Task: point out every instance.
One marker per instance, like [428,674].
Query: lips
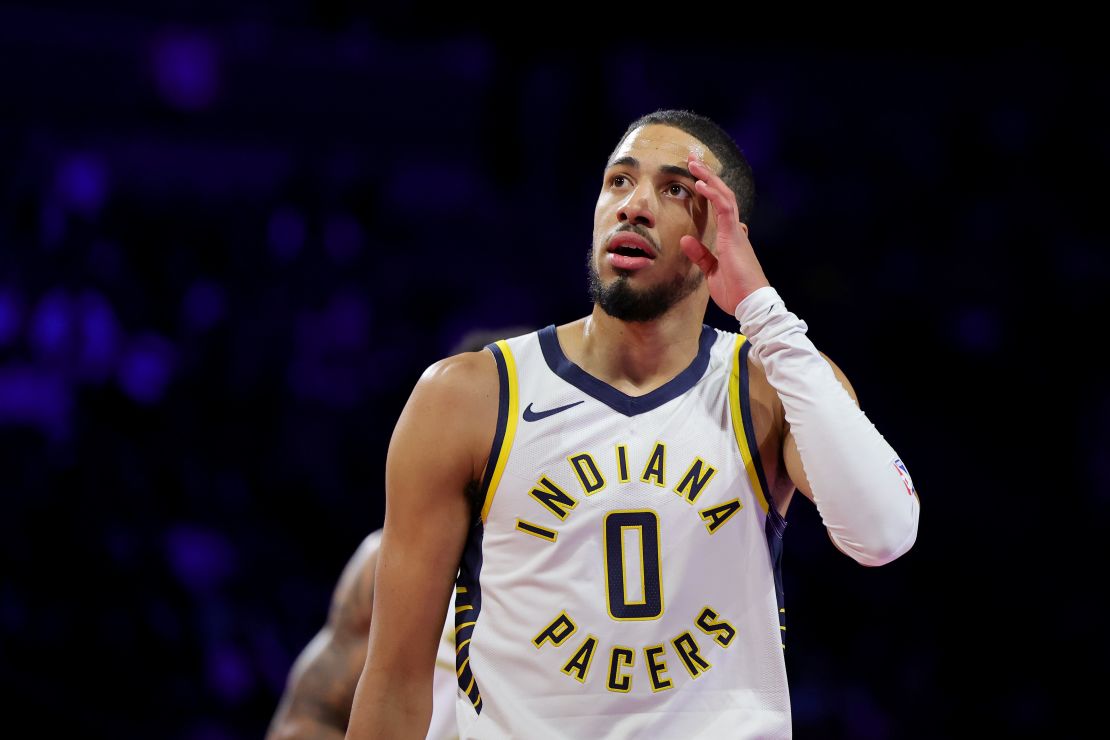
[632,244]
[630,251]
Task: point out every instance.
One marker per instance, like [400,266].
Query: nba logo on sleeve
[904,475]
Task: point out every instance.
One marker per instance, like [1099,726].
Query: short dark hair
[735,169]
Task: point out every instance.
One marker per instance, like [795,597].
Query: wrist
[757,305]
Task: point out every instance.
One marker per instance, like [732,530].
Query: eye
[618,181]
[677,190]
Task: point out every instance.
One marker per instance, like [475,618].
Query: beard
[622,301]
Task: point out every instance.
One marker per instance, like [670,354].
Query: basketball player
[611,493]
[316,703]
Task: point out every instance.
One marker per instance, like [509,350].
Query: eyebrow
[634,163]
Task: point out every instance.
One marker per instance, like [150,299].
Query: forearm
[867,505]
[393,697]
[388,713]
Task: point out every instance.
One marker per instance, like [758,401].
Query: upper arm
[438,448]
[791,459]
[321,684]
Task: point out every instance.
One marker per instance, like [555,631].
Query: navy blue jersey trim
[610,396]
[773,530]
[775,525]
[502,421]
[468,592]
[753,442]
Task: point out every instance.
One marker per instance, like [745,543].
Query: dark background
[232,238]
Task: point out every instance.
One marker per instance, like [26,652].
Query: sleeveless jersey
[623,578]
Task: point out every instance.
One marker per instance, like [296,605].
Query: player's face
[646,205]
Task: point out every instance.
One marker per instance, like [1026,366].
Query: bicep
[792,461]
[321,684]
[432,457]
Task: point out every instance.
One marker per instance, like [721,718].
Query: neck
[637,357]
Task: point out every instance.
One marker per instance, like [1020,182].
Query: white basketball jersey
[623,578]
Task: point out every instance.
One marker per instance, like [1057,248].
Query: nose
[637,209]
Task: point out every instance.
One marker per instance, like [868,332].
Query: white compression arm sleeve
[861,488]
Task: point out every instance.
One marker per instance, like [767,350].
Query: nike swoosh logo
[530,415]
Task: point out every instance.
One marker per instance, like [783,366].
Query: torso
[620,534]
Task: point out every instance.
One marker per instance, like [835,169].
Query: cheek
[605,204]
[606,215]
[602,218]
[700,215]
[692,221]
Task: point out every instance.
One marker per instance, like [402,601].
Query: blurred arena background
[232,235]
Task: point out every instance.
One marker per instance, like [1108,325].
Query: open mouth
[630,251]
[630,244]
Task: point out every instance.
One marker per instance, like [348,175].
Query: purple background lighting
[232,239]
[186,69]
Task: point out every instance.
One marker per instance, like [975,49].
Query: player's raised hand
[732,269]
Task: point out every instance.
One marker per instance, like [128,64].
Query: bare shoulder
[317,698]
[365,555]
[453,411]
[352,602]
[463,382]
[461,371]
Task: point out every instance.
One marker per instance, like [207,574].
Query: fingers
[699,254]
[713,188]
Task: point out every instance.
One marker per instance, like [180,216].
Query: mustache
[639,231]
